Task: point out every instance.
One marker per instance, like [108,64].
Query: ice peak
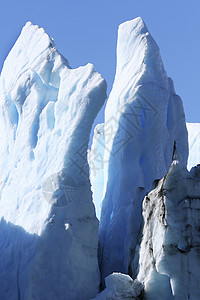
[33,48]
[135,48]
[28,23]
[133,24]
[30,28]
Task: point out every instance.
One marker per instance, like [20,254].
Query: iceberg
[194,144]
[170,242]
[144,123]
[48,227]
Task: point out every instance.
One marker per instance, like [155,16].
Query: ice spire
[49,228]
[143,118]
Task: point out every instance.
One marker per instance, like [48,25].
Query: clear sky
[86,31]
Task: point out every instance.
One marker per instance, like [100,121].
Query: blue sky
[86,31]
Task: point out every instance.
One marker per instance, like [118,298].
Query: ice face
[48,223]
[169,251]
[144,122]
[194,144]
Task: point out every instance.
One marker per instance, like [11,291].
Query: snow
[194,144]
[48,224]
[169,251]
[143,119]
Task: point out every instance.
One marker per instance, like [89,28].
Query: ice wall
[48,228]
[169,262]
[144,122]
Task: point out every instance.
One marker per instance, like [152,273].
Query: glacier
[48,227]
[135,173]
[194,144]
[170,242]
[144,123]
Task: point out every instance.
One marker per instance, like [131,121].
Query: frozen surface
[48,228]
[120,286]
[194,144]
[169,253]
[144,121]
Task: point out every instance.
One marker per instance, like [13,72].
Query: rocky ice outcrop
[48,228]
[170,249]
[194,144]
[120,286]
[144,119]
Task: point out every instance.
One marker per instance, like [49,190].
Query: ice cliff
[170,249]
[48,227]
[144,123]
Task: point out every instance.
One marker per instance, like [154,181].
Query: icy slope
[48,230]
[194,144]
[143,119]
[169,262]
